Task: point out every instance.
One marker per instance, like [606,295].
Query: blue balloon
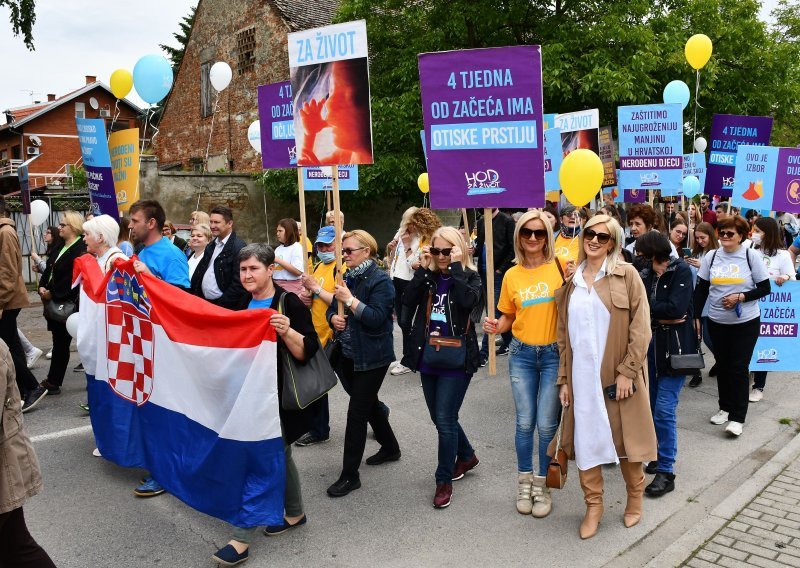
[152,78]
[691,186]
[677,92]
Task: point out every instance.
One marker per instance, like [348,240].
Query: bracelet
[319,291]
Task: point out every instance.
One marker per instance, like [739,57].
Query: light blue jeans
[534,372]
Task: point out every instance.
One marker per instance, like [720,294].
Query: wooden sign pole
[328,200]
[303,238]
[466,223]
[337,224]
[490,313]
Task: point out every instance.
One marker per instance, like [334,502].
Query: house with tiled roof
[249,35]
[46,131]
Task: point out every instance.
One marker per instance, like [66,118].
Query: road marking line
[62,433]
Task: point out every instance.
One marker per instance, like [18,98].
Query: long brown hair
[290,234]
[771,242]
[713,243]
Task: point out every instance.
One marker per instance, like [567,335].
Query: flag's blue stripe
[239,482]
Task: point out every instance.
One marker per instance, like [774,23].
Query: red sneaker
[463,467]
[442,497]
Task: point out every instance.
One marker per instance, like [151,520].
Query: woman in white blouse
[603,336]
[198,241]
[289,261]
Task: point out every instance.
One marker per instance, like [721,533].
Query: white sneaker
[719,418]
[734,428]
[33,356]
[49,355]
[399,370]
[756,395]
[96,453]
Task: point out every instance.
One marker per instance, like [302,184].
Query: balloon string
[113,120]
[211,132]
[696,104]
[266,218]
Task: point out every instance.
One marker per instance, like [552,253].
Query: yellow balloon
[581,176]
[698,50]
[422,182]
[121,83]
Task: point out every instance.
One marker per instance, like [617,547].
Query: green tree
[175,55]
[22,17]
[595,55]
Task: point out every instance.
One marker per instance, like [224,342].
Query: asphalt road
[88,516]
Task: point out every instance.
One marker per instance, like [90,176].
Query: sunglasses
[349,251]
[602,238]
[441,252]
[526,233]
[728,234]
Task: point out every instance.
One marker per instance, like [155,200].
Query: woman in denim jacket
[365,337]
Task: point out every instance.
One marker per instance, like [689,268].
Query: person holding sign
[767,241]
[445,295]
[732,279]
[603,336]
[529,312]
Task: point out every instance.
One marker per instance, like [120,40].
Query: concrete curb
[676,553]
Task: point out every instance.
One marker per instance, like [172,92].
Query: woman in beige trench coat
[609,306]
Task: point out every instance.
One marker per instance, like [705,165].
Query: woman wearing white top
[767,239]
[603,336]
[289,261]
[201,236]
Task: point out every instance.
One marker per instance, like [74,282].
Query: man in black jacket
[503,247]
[221,284]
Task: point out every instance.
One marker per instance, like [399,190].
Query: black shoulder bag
[444,351]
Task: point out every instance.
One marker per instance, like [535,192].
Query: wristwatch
[349,302]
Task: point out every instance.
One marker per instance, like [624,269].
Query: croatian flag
[184,389]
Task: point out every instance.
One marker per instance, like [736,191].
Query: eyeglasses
[526,233]
[727,234]
[441,252]
[602,238]
[680,233]
[349,251]
[62,225]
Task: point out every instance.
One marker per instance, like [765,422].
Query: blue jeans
[534,372]
[320,424]
[664,391]
[444,396]
[498,284]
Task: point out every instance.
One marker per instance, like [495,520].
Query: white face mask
[756,239]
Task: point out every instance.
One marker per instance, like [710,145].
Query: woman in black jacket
[443,293]
[56,287]
[668,283]
[297,335]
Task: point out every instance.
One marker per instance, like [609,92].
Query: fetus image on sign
[331,110]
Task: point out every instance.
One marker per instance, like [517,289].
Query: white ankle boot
[541,498]
[524,503]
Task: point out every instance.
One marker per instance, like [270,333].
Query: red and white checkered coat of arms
[129,338]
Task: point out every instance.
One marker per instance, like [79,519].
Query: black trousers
[17,547]
[364,407]
[8,333]
[60,360]
[733,348]
[400,286]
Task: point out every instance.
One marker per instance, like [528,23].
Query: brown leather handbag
[557,470]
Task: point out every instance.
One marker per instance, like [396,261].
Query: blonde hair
[365,239]
[405,219]
[74,220]
[329,217]
[455,238]
[202,218]
[549,246]
[617,235]
[204,229]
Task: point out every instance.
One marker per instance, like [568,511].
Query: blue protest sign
[694,165]
[97,163]
[552,159]
[651,147]
[776,348]
[321,179]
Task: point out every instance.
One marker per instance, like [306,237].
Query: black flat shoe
[696,381]
[652,467]
[662,483]
[343,487]
[712,372]
[383,457]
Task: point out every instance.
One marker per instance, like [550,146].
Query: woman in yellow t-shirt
[528,306]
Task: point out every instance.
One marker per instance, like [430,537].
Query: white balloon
[700,144]
[254,135]
[72,325]
[220,75]
[40,211]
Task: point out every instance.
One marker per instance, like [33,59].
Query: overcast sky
[75,38]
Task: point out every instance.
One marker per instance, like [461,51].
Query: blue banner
[97,163]
[552,159]
[651,147]
[776,348]
[320,179]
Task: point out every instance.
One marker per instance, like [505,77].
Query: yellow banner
[123,146]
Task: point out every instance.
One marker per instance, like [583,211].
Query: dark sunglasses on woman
[602,238]
[441,252]
[539,234]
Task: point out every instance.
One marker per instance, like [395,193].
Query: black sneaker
[662,483]
[713,371]
[696,381]
[33,398]
[78,368]
[652,467]
[484,360]
[309,439]
[383,456]
[501,351]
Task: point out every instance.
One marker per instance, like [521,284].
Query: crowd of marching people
[602,316]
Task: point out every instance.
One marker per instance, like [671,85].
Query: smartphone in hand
[611,391]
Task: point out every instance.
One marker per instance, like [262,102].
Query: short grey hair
[262,252]
[103,228]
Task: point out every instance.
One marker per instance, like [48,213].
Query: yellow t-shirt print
[566,249]
[529,294]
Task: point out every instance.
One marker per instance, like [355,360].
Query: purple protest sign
[97,163]
[728,131]
[635,196]
[277,126]
[483,126]
[787,181]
